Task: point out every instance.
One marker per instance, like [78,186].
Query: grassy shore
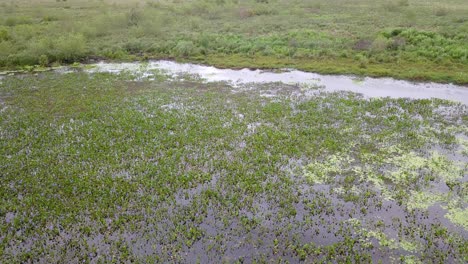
[420,40]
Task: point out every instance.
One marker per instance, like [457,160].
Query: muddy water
[369,87]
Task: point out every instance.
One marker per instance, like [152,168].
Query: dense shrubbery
[297,44]
[67,48]
[429,45]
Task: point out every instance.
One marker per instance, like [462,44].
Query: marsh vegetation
[143,165]
[120,167]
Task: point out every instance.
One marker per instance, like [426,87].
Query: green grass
[102,167]
[420,40]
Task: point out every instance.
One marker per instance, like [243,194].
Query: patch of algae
[446,169]
[463,143]
[408,167]
[411,166]
[391,243]
[421,175]
[409,246]
[422,200]
[320,172]
[411,260]
[458,216]
[382,238]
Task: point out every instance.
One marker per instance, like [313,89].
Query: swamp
[130,135]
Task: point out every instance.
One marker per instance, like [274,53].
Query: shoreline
[254,63]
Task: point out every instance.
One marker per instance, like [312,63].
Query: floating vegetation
[99,167]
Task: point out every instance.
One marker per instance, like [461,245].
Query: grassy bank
[422,40]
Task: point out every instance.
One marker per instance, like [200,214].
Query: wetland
[233,131]
[168,162]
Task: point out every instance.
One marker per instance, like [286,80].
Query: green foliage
[430,45]
[71,47]
[185,48]
[17,20]
[380,44]
[185,167]
[314,35]
[134,17]
[362,60]
[43,60]
[49,18]
[4,36]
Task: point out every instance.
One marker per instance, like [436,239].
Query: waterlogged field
[407,39]
[108,167]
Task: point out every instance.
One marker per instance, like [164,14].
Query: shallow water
[369,87]
[237,208]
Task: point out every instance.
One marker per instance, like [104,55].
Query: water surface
[369,87]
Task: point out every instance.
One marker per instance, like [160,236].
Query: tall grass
[329,30]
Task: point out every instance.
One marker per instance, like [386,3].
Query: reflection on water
[369,87]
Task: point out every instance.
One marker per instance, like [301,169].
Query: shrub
[114,53]
[43,60]
[380,43]
[4,36]
[134,46]
[71,47]
[184,48]
[6,48]
[459,53]
[362,60]
[397,43]
[22,58]
[392,33]
[428,45]
[43,46]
